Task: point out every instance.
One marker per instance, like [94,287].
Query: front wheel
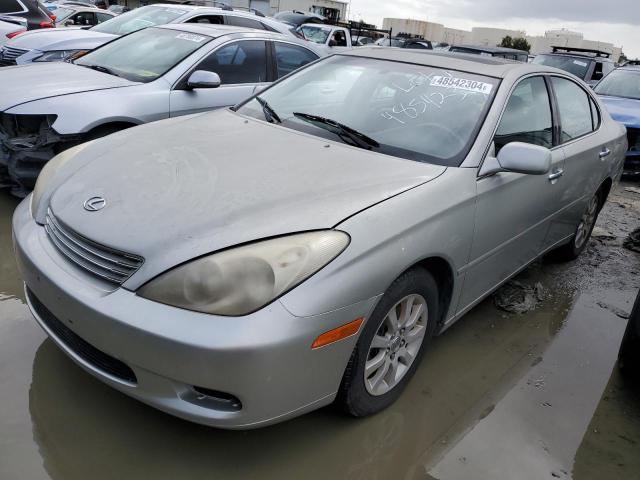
[391,344]
[580,239]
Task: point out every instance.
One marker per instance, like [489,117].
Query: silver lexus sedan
[148,75]
[245,266]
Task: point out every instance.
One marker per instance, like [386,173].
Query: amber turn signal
[339,333]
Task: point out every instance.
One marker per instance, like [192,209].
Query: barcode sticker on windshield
[191,37]
[461,84]
[578,62]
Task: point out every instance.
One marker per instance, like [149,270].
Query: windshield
[384,42]
[145,55]
[315,34]
[577,66]
[620,83]
[62,14]
[411,111]
[138,19]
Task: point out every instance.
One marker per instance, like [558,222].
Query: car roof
[581,56]
[218,30]
[482,48]
[489,66]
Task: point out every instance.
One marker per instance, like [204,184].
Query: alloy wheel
[586,222]
[396,344]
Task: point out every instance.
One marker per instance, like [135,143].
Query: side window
[595,115]
[268,28]
[238,62]
[340,38]
[575,110]
[291,57]
[84,18]
[209,19]
[103,17]
[527,117]
[598,71]
[244,22]
[11,6]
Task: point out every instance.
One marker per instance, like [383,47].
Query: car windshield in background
[145,55]
[138,19]
[577,66]
[315,34]
[620,83]
[62,14]
[410,111]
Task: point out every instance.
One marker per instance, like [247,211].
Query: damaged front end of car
[27,142]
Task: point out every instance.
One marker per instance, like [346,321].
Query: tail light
[52,17]
[14,34]
[47,24]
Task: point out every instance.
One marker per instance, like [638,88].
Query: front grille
[8,55]
[87,352]
[104,262]
[633,135]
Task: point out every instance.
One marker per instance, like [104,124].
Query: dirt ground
[501,395]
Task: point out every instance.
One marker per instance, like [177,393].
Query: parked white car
[59,44]
[10,27]
[154,73]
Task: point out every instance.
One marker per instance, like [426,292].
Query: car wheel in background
[391,345]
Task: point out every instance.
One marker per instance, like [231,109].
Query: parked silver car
[151,74]
[241,267]
[56,45]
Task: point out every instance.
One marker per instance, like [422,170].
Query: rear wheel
[391,345]
[573,249]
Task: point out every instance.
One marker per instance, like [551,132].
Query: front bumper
[263,359]
[632,163]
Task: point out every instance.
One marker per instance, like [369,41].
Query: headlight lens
[56,55]
[49,170]
[243,279]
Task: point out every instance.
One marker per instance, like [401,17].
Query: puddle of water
[510,376]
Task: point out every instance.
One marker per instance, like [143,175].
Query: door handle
[556,175]
[605,153]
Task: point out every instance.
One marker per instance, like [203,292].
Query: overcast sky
[614,21]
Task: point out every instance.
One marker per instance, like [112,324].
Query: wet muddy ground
[501,395]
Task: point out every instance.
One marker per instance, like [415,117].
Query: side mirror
[519,157]
[333,43]
[69,23]
[203,79]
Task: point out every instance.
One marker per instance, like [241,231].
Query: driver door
[241,65]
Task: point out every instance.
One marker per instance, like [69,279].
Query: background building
[487,36]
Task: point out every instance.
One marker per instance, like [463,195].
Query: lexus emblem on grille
[94,204]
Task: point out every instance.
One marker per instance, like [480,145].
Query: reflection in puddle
[85,429]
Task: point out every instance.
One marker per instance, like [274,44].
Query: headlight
[56,55]
[243,279]
[49,170]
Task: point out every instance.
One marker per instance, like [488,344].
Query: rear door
[514,210]
[241,65]
[586,154]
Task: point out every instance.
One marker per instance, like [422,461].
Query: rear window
[11,6]
[578,66]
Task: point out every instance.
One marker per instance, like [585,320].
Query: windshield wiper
[100,68]
[358,139]
[269,113]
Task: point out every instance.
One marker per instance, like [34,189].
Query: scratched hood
[185,187]
[35,81]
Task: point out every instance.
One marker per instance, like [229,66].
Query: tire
[580,239]
[360,397]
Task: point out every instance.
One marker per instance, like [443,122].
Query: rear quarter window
[11,6]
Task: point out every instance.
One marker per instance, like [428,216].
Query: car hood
[51,80]
[623,110]
[60,39]
[181,188]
